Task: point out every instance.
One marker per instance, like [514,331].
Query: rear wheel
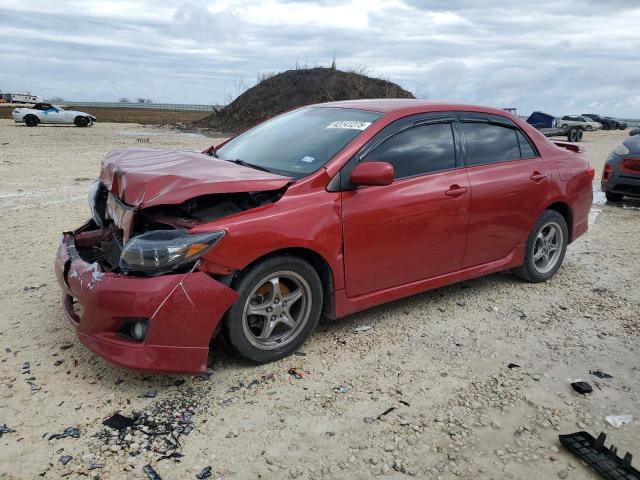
[31,121]
[81,121]
[545,248]
[279,306]
[580,135]
[572,136]
[613,197]
[564,125]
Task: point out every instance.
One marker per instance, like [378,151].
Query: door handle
[455,191]
[537,176]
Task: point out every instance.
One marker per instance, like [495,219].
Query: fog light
[138,330]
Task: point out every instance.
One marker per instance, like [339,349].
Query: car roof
[393,105]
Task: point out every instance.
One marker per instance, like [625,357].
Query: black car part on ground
[603,460]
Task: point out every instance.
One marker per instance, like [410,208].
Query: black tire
[613,197]
[81,121]
[238,332]
[529,270]
[564,125]
[31,121]
[580,135]
[572,136]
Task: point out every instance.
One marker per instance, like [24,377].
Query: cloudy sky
[560,56]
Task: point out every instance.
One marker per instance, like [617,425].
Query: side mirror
[372,173]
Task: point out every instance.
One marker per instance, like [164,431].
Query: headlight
[621,150]
[161,251]
[93,191]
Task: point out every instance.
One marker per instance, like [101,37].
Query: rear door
[509,184]
[416,227]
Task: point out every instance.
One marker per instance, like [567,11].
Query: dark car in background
[608,123]
[621,173]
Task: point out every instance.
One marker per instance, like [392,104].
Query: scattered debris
[119,422]
[26,366]
[341,389]
[4,429]
[205,473]
[300,354]
[362,328]
[297,373]
[151,473]
[34,387]
[66,346]
[619,421]
[513,365]
[149,394]
[64,459]
[603,460]
[57,363]
[69,432]
[95,466]
[582,387]
[600,374]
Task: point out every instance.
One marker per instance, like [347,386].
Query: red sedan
[324,210]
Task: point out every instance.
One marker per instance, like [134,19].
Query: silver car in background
[47,113]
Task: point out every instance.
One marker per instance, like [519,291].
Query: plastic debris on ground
[619,421]
[4,429]
[362,328]
[204,473]
[64,459]
[342,389]
[119,422]
[296,373]
[151,473]
[600,374]
[582,387]
[69,432]
[603,460]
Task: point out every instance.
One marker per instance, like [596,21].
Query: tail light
[606,172]
[591,172]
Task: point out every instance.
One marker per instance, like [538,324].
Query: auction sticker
[349,124]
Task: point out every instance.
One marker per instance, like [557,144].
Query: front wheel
[279,306]
[31,121]
[545,248]
[613,197]
[81,122]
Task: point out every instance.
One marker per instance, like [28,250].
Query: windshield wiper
[239,161]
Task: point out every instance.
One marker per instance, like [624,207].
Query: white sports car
[47,113]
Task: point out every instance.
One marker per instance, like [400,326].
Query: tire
[613,197]
[580,135]
[81,122]
[564,125]
[257,291]
[31,121]
[534,270]
[572,136]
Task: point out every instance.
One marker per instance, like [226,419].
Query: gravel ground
[424,392]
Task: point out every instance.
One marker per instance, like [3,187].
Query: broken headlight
[161,251]
[93,192]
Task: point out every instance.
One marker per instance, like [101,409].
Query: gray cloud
[563,57]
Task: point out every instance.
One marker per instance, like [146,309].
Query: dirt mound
[295,88]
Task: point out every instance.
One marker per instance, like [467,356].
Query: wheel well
[564,210]
[321,266]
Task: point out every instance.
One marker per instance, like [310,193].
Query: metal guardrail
[147,106]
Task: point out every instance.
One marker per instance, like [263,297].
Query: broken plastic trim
[603,460]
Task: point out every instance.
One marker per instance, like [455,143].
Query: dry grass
[131,115]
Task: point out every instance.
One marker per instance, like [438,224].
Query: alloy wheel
[548,247]
[276,310]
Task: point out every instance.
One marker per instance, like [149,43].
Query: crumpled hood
[144,177]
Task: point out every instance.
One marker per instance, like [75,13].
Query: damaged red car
[322,211]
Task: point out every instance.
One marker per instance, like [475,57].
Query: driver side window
[418,150]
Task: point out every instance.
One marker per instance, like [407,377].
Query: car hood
[144,177]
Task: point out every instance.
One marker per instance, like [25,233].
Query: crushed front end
[156,312]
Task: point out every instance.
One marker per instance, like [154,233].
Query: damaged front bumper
[183,311]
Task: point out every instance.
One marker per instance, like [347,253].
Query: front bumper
[622,183]
[184,311]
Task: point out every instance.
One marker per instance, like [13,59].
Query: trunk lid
[144,177]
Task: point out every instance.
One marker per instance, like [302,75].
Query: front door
[414,228]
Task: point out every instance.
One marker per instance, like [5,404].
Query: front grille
[631,165]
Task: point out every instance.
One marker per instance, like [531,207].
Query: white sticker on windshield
[350,124]
[307,159]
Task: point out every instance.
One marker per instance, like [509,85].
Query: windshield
[300,142]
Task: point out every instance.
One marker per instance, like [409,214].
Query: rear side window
[526,149]
[489,143]
[418,150]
